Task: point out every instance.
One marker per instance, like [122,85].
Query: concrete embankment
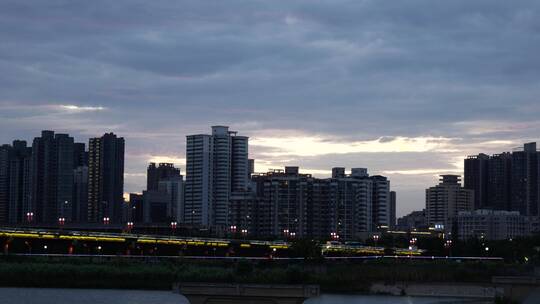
[451,290]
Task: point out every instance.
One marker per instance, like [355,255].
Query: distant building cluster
[506,181]
[222,191]
[56,181]
[500,198]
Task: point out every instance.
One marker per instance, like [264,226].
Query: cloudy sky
[404,88]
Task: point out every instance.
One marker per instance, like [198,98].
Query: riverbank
[101,296]
[153,274]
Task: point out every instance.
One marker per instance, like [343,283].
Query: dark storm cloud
[336,71]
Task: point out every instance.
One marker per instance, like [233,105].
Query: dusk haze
[235,151]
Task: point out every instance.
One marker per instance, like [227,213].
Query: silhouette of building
[393,201]
[5,160]
[524,185]
[476,178]
[105,178]
[80,194]
[288,204]
[174,189]
[381,208]
[156,173]
[350,204]
[52,177]
[135,208]
[15,165]
[506,181]
[80,155]
[499,182]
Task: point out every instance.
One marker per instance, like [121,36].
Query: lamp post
[129,226]
[173,227]
[29,217]
[285,233]
[233,230]
[448,246]
[376,239]
[64,206]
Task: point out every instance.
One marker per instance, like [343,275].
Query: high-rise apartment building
[381,208]
[5,159]
[499,182]
[476,178]
[506,181]
[174,188]
[216,166]
[52,177]
[80,194]
[350,203]
[446,200]
[105,178]
[135,213]
[288,204]
[393,201]
[80,155]
[19,181]
[524,187]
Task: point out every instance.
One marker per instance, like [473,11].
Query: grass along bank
[158,274]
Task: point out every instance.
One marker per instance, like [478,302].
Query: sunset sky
[404,88]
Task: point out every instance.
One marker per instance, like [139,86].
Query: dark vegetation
[161,274]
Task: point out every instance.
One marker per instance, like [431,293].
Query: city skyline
[141,177]
[407,90]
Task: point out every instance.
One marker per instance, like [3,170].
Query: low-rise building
[414,221]
[494,224]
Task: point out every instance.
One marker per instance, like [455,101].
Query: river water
[101,296]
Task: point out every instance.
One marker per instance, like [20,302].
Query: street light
[173,227]
[376,239]
[29,216]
